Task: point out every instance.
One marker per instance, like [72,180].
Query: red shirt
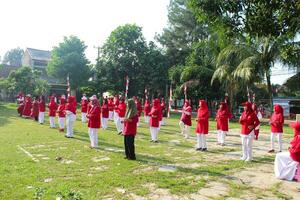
[222,119]
[27,107]
[154,114]
[42,106]
[186,119]
[248,119]
[61,110]
[111,105]
[121,110]
[139,108]
[147,108]
[84,105]
[94,117]
[295,148]
[131,127]
[71,105]
[35,109]
[105,111]
[52,108]
[202,121]
[276,122]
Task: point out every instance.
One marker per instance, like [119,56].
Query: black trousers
[129,146]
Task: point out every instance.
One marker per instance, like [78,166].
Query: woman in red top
[222,123]
[105,114]
[52,111]
[42,109]
[130,127]
[276,123]
[94,116]
[286,163]
[111,108]
[202,125]
[116,104]
[61,113]
[249,122]
[84,106]
[20,101]
[35,109]
[185,122]
[70,116]
[154,120]
[121,110]
[139,109]
[147,109]
[27,107]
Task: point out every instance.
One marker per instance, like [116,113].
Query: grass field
[40,163]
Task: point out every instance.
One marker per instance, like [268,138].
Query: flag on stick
[248,94]
[185,91]
[170,101]
[68,86]
[146,93]
[127,84]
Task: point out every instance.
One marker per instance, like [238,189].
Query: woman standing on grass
[84,107]
[276,123]
[202,125]
[42,109]
[94,116]
[222,123]
[105,114]
[61,111]
[154,120]
[147,109]
[71,116]
[185,122]
[249,122]
[259,117]
[130,128]
[52,111]
[27,107]
[35,109]
[121,110]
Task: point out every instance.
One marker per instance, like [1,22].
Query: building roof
[6,69]
[37,54]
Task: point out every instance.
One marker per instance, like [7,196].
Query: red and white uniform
[185,122]
[61,111]
[52,111]
[70,115]
[202,125]
[163,112]
[94,116]
[27,107]
[84,108]
[20,101]
[111,108]
[120,110]
[222,119]
[249,122]
[139,109]
[116,104]
[154,120]
[105,114]
[286,163]
[147,109]
[276,122]
[42,109]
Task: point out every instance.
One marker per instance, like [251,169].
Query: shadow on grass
[7,113]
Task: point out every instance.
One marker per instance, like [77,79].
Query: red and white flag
[146,93]
[185,91]
[68,86]
[127,84]
[170,101]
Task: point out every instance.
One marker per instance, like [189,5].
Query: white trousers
[61,122]
[279,139]
[41,117]
[119,124]
[221,136]
[93,133]
[147,119]
[154,133]
[70,124]
[116,117]
[247,141]
[284,166]
[201,141]
[185,129]
[111,115]
[104,122]
[52,122]
[83,117]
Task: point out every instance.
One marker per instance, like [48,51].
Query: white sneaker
[242,158]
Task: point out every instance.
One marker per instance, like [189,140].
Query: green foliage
[68,58]
[13,57]
[126,53]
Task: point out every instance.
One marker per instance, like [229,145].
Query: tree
[68,58]
[273,23]
[126,53]
[13,57]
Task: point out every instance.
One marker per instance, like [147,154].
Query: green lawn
[68,168]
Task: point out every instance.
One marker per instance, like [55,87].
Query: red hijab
[203,109]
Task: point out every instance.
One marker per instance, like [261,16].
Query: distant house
[38,59]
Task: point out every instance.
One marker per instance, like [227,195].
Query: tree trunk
[269,86]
